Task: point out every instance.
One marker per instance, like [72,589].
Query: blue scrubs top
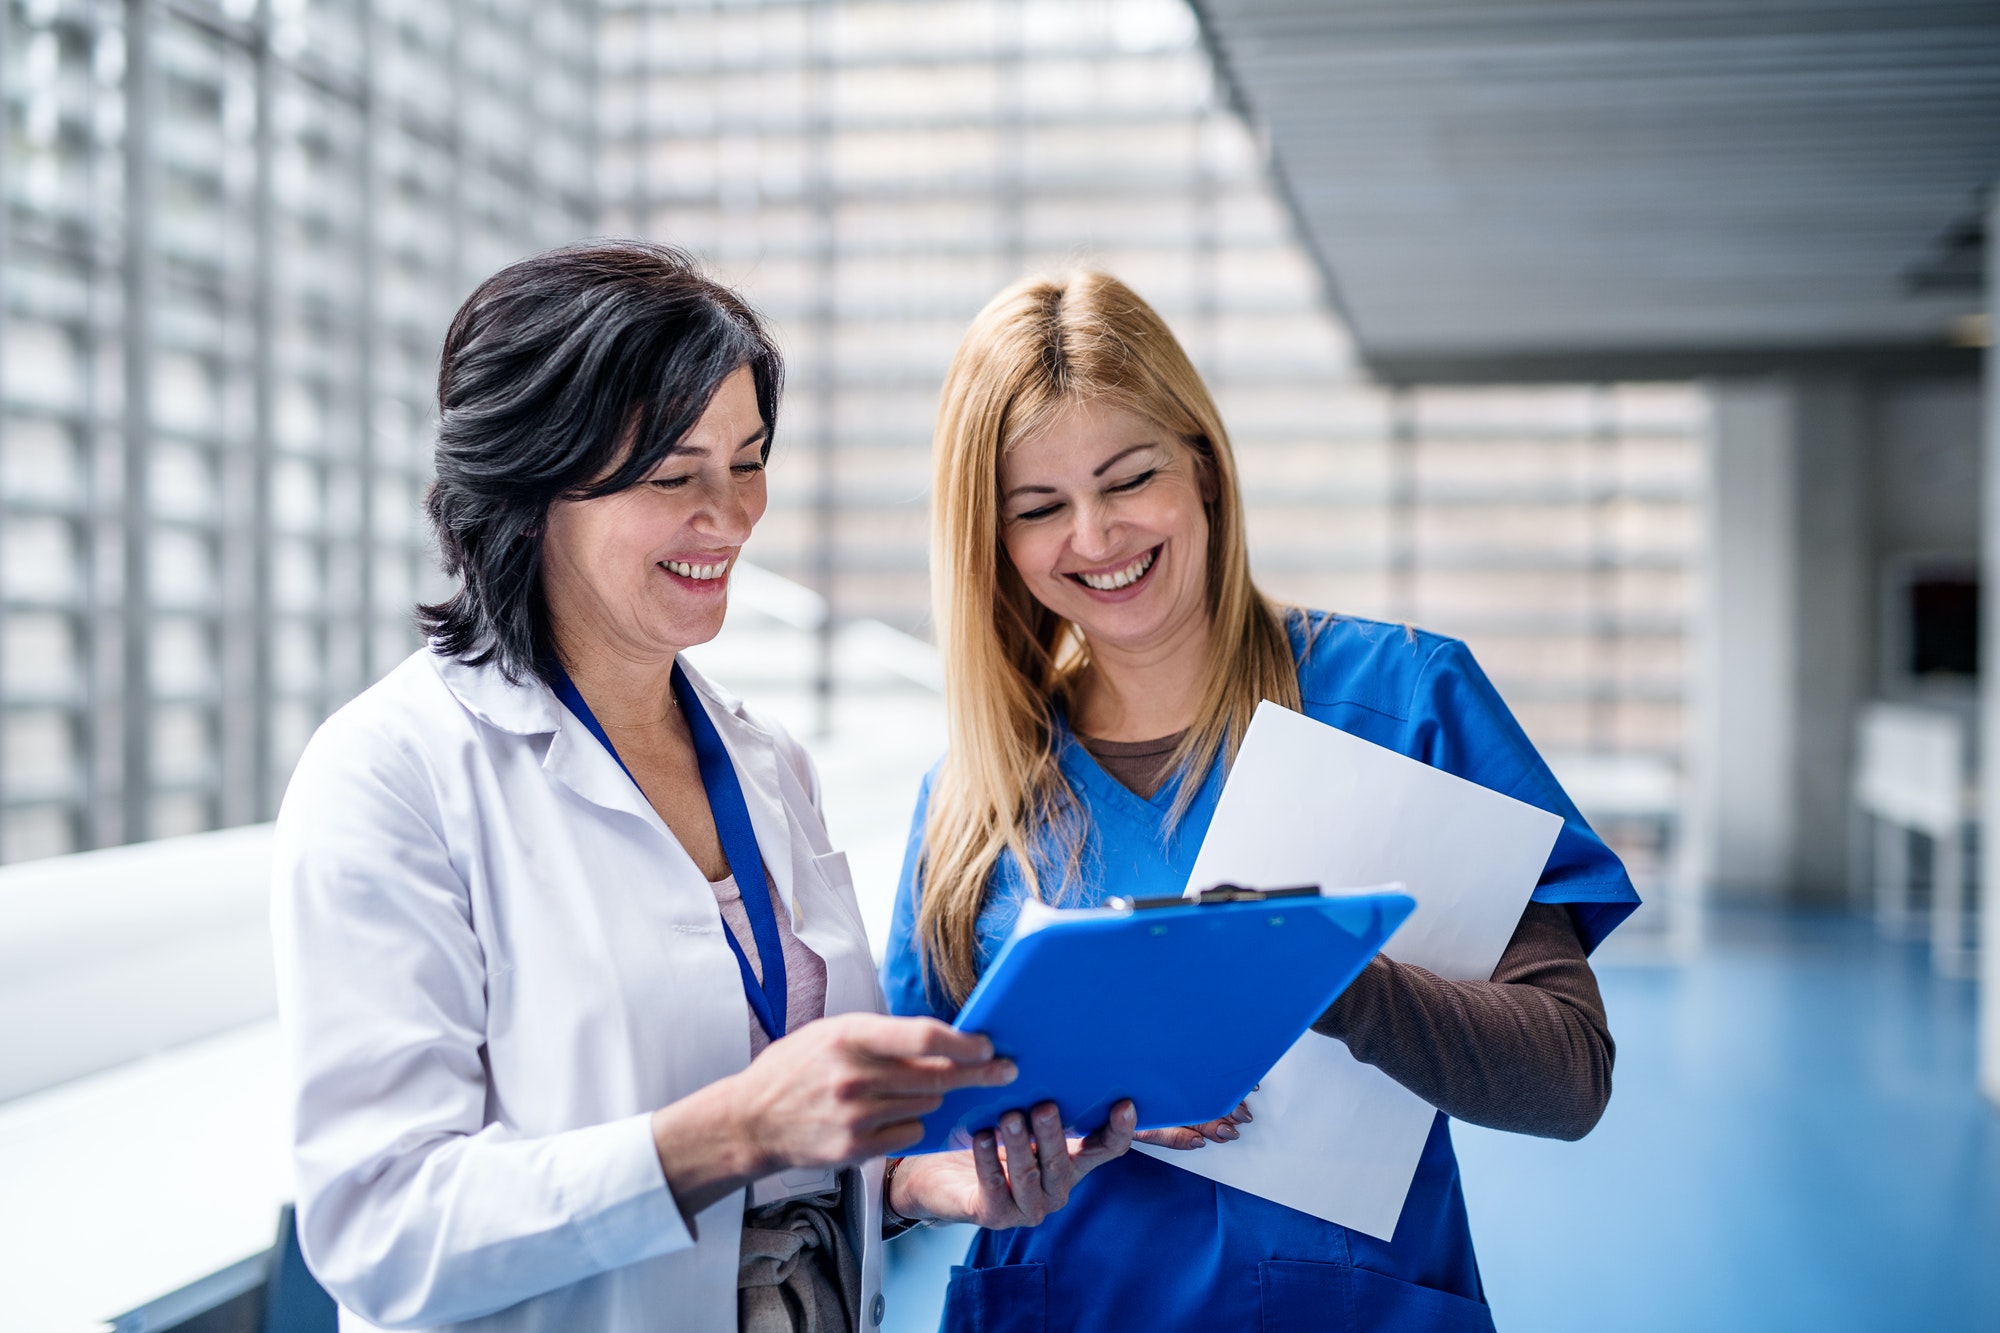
[1145,1245]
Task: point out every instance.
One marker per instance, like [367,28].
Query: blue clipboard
[1181,1004]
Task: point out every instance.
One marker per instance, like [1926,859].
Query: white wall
[1818,483]
[1926,468]
[1744,781]
[1833,619]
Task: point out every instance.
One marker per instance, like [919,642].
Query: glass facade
[236,232]
[871,171]
[233,238]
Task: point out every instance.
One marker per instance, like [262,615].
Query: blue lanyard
[739,844]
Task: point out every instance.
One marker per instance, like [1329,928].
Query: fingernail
[1009,1071]
[1015,1125]
[1229,1133]
[1045,1119]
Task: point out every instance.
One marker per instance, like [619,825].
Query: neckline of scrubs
[1081,765]
[1127,831]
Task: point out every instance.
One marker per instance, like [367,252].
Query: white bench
[1912,773]
[109,956]
[143,1139]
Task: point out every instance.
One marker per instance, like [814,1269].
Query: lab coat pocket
[832,867]
[1301,1297]
[1381,1301]
[1011,1298]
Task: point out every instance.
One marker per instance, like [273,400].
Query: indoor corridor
[1792,1143]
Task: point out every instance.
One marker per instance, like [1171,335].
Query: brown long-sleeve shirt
[1528,1051]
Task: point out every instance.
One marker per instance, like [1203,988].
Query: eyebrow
[1127,452]
[680,448]
[1098,471]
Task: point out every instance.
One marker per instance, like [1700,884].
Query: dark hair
[549,369]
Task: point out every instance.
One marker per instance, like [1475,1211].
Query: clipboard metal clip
[1218,894]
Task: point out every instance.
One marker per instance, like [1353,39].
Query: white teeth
[1132,573]
[702,572]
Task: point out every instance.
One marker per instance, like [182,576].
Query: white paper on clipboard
[1307,803]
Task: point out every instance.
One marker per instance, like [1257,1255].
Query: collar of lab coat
[528,707]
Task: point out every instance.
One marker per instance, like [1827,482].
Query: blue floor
[1794,1143]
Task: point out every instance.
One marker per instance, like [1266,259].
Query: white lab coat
[495,962]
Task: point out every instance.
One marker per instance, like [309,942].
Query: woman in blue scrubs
[1104,650]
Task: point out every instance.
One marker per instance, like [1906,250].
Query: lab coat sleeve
[413,1210]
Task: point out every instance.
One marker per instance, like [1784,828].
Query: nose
[728,512]
[1093,532]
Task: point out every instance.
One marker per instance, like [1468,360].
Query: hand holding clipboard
[1282,956]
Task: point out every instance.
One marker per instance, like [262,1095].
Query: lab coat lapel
[529,708]
[576,760]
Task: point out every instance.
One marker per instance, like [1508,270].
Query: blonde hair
[1038,349]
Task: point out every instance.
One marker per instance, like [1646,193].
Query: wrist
[708,1145]
[900,1213]
[741,1135]
[899,1197]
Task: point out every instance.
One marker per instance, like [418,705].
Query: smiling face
[1103,516]
[643,572]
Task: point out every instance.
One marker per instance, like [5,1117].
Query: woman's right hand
[855,1086]
[1185,1137]
[837,1091]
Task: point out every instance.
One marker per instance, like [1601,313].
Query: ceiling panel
[1542,183]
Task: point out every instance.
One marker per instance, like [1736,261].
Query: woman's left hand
[1014,1178]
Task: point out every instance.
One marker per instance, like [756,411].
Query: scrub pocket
[1010,1298]
[1300,1297]
[1381,1301]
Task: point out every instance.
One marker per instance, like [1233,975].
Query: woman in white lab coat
[557,919]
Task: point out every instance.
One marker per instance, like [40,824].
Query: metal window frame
[201,251]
